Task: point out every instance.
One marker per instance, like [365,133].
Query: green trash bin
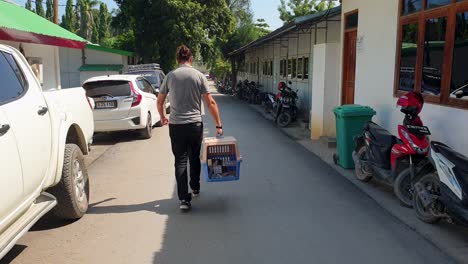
[350,120]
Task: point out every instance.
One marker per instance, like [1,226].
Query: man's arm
[213,108]
[161,108]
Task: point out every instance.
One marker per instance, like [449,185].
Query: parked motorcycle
[443,192]
[394,160]
[285,108]
[268,102]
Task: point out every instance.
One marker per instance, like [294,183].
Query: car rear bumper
[130,123]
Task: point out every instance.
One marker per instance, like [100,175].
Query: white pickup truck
[43,137]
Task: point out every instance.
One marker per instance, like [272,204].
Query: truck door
[11,181]
[29,121]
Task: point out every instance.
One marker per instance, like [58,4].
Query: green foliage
[76,11]
[49,10]
[160,26]
[125,41]
[69,19]
[28,5]
[220,68]
[40,8]
[296,8]
[104,23]
[87,23]
[95,35]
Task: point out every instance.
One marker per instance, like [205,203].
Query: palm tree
[86,17]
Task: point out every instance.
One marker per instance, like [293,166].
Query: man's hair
[183,53]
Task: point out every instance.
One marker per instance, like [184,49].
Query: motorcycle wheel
[429,182]
[403,188]
[362,169]
[284,119]
[268,108]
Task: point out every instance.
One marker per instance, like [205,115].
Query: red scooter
[394,160]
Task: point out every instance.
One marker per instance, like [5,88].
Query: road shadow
[170,207]
[13,254]
[112,138]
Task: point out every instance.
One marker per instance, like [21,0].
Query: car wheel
[72,192]
[146,132]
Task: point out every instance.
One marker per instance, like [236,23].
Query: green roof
[16,17]
[101,67]
[110,50]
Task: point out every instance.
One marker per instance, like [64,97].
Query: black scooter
[285,111]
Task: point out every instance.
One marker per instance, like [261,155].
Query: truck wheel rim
[80,183]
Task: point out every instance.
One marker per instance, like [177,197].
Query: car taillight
[136,95]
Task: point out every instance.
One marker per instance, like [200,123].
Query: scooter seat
[380,135]
[460,161]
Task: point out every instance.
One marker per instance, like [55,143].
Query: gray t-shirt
[185,87]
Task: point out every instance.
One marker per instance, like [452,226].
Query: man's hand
[164,121]
[219,132]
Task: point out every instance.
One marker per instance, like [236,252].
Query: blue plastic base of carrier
[222,179]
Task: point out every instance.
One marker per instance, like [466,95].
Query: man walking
[186,86]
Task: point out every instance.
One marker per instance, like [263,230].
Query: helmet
[281,85]
[411,103]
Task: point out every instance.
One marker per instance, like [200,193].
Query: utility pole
[56,12]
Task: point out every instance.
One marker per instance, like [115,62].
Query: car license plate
[106,105]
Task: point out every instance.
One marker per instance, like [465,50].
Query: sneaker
[184,205]
[196,193]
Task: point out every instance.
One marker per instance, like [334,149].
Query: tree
[28,5]
[40,8]
[69,19]
[86,18]
[76,11]
[296,8]
[95,35]
[49,10]
[104,23]
[160,26]
[262,27]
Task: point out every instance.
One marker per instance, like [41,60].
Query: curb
[451,239]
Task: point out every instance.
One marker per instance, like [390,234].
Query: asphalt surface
[288,207]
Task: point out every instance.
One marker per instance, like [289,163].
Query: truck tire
[72,192]
[146,132]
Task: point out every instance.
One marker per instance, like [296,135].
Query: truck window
[151,76]
[13,81]
[107,88]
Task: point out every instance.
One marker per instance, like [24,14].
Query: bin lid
[353,110]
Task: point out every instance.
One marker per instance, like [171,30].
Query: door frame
[344,65]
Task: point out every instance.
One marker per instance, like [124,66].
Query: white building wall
[375,74]
[294,45]
[70,62]
[50,62]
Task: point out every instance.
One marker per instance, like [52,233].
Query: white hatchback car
[123,102]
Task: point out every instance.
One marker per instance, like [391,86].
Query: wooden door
[349,67]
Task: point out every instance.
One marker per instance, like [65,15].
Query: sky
[266,9]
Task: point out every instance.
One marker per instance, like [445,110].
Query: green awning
[109,50]
[22,25]
[101,67]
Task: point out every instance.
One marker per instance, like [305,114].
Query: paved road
[289,207]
